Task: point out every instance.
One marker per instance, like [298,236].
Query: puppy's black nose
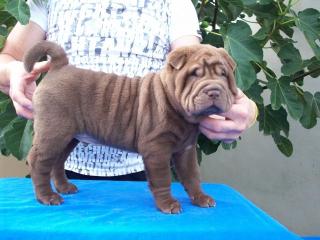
[213,93]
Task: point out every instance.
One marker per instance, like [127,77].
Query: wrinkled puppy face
[203,81]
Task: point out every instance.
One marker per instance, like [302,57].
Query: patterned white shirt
[126,37]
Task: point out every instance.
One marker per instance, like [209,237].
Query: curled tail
[42,49]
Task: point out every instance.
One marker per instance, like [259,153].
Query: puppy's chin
[196,117]
[209,111]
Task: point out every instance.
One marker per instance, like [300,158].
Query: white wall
[286,188]
[10,167]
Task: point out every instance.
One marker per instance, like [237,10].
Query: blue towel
[126,210]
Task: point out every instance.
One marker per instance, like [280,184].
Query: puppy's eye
[221,71]
[196,72]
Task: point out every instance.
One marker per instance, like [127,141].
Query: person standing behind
[124,37]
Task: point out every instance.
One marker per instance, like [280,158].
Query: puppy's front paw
[171,206]
[67,188]
[203,200]
[50,199]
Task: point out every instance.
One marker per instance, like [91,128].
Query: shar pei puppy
[156,115]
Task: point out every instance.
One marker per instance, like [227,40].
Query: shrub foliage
[228,24]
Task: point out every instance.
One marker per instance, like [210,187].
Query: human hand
[228,126]
[22,85]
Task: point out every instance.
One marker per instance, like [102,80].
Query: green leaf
[2,41]
[272,121]
[283,144]
[254,93]
[2,4]
[308,21]
[4,17]
[15,132]
[18,138]
[213,39]
[245,75]
[314,66]
[265,10]
[290,58]
[195,3]
[3,31]
[253,2]
[240,44]
[263,32]
[231,8]
[19,9]
[311,110]
[3,96]
[283,93]
[207,11]
[286,25]
[206,145]
[7,113]
[228,146]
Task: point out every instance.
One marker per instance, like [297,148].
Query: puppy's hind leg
[48,143]
[58,174]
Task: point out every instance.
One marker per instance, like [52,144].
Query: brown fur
[156,115]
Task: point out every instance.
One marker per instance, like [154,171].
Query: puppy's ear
[232,84]
[177,59]
[228,59]
[232,65]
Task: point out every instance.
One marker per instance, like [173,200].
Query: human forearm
[20,39]
[5,60]
[185,41]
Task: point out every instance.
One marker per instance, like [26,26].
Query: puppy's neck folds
[170,93]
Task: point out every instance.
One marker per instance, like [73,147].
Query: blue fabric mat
[125,210]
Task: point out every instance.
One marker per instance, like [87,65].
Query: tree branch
[203,2]
[305,74]
[215,16]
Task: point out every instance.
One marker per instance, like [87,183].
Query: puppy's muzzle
[213,93]
[215,100]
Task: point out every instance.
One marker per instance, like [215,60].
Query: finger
[23,112]
[239,95]
[31,77]
[19,97]
[22,100]
[218,135]
[221,125]
[29,92]
[5,89]
[41,67]
[216,116]
[236,112]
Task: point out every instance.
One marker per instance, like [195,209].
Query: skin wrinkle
[184,96]
[186,93]
[209,64]
[168,84]
[188,99]
[195,93]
